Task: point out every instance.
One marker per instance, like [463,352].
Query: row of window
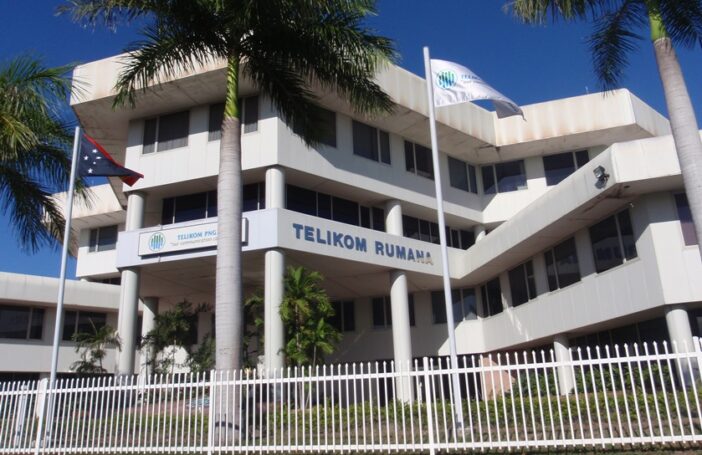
[197,206]
[171,131]
[27,323]
[334,208]
[428,231]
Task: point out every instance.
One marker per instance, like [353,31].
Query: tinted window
[215,122]
[567,267]
[173,130]
[492,297]
[344,211]
[458,174]
[365,142]
[150,126]
[510,176]
[250,114]
[685,217]
[488,174]
[191,207]
[605,244]
[558,167]
[438,308]
[14,322]
[301,200]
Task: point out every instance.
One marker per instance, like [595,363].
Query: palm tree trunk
[682,121]
[228,309]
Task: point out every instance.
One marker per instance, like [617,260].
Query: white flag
[454,84]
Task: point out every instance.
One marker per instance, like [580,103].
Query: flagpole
[448,299]
[64,258]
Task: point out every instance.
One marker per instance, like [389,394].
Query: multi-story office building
[568,228]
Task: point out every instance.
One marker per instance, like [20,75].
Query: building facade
[569,228]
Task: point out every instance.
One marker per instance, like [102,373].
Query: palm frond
[109,13]
[613,39]
[540,11]
[683,21]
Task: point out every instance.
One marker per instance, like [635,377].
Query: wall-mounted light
[601,175]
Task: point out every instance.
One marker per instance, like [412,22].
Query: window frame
[620,241]
[529,282]
[380,137]
[76,322]
[157,131]
[30,319]
[341,315]
[411,160]
[551,253]
[496,183]
[470,172]
[94,241]
[387,311]
[575,159]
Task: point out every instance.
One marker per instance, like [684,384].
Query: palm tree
[287,48]
[306,311]
[94,345]
[617,23]
[33,145]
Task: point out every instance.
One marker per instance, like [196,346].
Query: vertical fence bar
[428,400]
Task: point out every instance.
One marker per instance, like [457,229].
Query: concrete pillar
[399,304]
[275,188]
[129,291]
[479,232]
[561,348]
[679,330]
[274,338]
[148,323]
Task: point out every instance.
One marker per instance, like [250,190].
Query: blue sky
[528,64]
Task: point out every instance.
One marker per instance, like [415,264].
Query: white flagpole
[64,258]
[46,413]
[448,300]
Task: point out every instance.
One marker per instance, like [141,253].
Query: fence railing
[628,397]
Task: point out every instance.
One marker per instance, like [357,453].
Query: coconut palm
[618,25]
[287,48]
[34,141]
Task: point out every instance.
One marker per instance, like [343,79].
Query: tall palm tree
[287,47]
[34,140]
[617,24]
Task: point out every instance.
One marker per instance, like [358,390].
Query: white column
[479,232]
[129,291]
[399,304]
[148,323]
[561,348]
[274,338]
[679,330]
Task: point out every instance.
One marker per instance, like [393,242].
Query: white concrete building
[542,252]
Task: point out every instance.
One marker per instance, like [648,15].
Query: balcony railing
[626,397]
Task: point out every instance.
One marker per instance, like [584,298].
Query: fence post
[211,412]
[42,387]
[21,416]
[429,403]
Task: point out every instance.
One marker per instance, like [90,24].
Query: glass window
[612,241]
[215,122]
[365,217]
[344,211]
[211,204]
[378,219]
[190,207]
[81,322]
[522,284]
[488,174]
[558,167]
[365,141]
[371,143]
[15,322]
[167,211]
[251,197]
[510,176]
[467,305]
[173,130]
[473,179]
[467,239]
[418,160]
[150,127]
[382,316]
[36,325]
[301,200]
[328,127]
[458,174]
[438,309]
[324,206]
[562,267]
[410,226]
[492,297]
[103,239]
[685,217]
[344,319]
[250,114]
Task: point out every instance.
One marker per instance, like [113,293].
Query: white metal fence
[626,397]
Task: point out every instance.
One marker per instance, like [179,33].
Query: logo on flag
[458,84]
[94,161]
[446,79]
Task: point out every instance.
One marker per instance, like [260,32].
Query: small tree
[93,348]
[305,312]
[173,330]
